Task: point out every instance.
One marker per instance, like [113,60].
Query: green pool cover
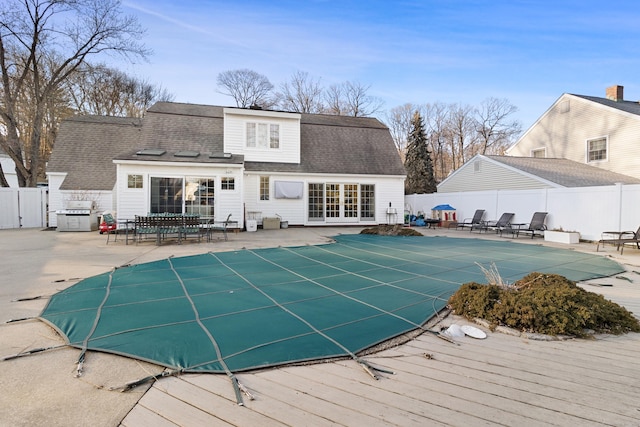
[235,311]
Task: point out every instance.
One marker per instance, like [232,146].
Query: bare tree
[398,120]
[437,128]
[351,99]
[106,91]
[457,132]
[301,94]
[334,100]
[42,42]
[246,87]
[495,130]
[461,134]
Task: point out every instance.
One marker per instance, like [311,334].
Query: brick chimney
[615,93]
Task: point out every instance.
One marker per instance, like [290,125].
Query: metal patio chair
[470,222]
[536,226]
[503,222]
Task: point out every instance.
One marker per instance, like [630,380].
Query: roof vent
[151,152]
[220,155]
[186,153]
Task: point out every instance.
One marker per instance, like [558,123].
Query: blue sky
[418,51]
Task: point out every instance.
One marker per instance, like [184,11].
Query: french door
[341,203]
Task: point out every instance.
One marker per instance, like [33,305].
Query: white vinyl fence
[23,207]
[588,210]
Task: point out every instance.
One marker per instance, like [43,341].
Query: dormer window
[263,135]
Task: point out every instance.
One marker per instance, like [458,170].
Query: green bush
[543,303]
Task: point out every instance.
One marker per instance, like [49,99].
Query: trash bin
[251,222]
[252,225]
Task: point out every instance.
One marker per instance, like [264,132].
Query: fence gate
[23,207]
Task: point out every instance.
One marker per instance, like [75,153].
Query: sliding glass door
[166,195]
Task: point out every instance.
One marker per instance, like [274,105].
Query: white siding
[389,193]
[135,201]
[571,121]
[235,135]
[387,190]
[9,170]
[58,198]
[481,174]
[55,196]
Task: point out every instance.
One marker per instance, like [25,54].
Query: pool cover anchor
[240,388]
[371,370]
[32,351]
[133,384]
[245,390]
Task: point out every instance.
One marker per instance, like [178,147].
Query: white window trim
[260,189]
[235,183]
[586,149]
[142,181]
[533,150]
[269,125]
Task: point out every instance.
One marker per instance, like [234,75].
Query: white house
[308,169]
[600,132]
[483,173]
[9,169]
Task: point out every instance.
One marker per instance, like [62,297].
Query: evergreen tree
[420,178]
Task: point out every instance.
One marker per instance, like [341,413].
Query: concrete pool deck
[501,380]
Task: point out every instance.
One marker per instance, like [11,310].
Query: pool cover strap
[213,341]
[85,342]
[367,367]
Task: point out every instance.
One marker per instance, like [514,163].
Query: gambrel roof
[86,146]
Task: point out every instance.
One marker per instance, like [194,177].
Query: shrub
[543,303]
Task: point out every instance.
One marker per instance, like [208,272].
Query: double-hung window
[263,135]
[596,149]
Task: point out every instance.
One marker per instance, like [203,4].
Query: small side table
[125,224]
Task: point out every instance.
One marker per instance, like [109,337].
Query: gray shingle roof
[342,145]
[329,144]
[183,127]
[85,147]
[626,106]
[565,172]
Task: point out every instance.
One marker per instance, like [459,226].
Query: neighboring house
[526,173]
[9,169]
[600,132]
[184,158]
